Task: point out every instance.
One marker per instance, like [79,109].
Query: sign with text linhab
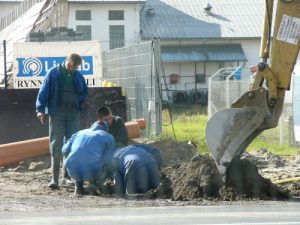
[32,61]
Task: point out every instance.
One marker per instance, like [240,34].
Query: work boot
[55,166]
[92,188]
[78,188]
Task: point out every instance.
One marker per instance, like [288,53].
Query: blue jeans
[137,180]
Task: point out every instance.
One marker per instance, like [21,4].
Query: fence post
[5,68]
[157,85]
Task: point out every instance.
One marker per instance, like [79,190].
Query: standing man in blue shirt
[62,93]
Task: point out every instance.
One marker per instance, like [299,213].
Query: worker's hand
[41,117]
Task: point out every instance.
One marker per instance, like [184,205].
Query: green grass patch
[190,122]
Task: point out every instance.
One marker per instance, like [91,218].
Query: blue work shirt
[50,93]
[87,152]
[136,156]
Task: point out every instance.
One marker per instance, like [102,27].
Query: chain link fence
[137,70]
[228,84]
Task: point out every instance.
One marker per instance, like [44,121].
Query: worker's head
[104,114]
[73,61]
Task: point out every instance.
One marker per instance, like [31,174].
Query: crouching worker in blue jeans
[137,169]
[88,155]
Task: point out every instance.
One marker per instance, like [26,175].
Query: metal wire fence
[137,69]
[228,84]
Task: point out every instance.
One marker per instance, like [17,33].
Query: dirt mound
[186,176]
[200,179]
[243,176]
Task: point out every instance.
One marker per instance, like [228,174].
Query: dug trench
[186,178]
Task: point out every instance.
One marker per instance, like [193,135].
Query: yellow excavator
[230,131]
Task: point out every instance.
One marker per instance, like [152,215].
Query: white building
[114,23]
[198,37]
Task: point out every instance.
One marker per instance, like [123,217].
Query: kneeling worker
[137,169]
[116,125]
[88,154]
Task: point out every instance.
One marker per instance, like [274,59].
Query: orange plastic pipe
[133,129]
[18,151]
[22,150]
[142,123]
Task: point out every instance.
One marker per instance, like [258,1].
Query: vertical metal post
[5,68]
[195,78]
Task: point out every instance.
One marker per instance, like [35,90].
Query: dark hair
[103,111]
[75,59]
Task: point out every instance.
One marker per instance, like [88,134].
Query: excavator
[230,131]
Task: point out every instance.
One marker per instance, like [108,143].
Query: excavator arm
[230,131]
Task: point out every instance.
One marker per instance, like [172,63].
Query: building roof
[17,31]
[87,1]
[107,1]
[11,1]
[185,19]
[201,53]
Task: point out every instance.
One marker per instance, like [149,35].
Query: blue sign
[38,67]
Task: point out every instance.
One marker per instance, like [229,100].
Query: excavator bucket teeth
[230,131]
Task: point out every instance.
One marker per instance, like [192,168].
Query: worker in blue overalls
[62,93]
[137,169]
[88,155]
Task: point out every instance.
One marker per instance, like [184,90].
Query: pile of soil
[185,176]
[200,179]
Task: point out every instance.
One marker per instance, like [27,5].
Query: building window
[86,32]
[116,15]
[116,36]
[83,15]
[200,78]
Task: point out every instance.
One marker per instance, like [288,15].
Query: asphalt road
[277,213]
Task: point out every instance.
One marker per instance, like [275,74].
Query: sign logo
[39,66]
[32,66]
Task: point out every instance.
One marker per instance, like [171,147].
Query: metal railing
[136,68]
[17,12]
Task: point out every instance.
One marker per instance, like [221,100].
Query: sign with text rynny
[36,60]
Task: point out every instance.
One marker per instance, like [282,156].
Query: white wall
[251,49]
[100,23]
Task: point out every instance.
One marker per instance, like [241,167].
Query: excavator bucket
[230,131]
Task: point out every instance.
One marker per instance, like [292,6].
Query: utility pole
[5,68]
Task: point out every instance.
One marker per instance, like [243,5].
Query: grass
[190,122]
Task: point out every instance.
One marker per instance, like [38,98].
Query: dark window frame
[114,42]
[89,36]
[200,78]
[116,15]
[80,15]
